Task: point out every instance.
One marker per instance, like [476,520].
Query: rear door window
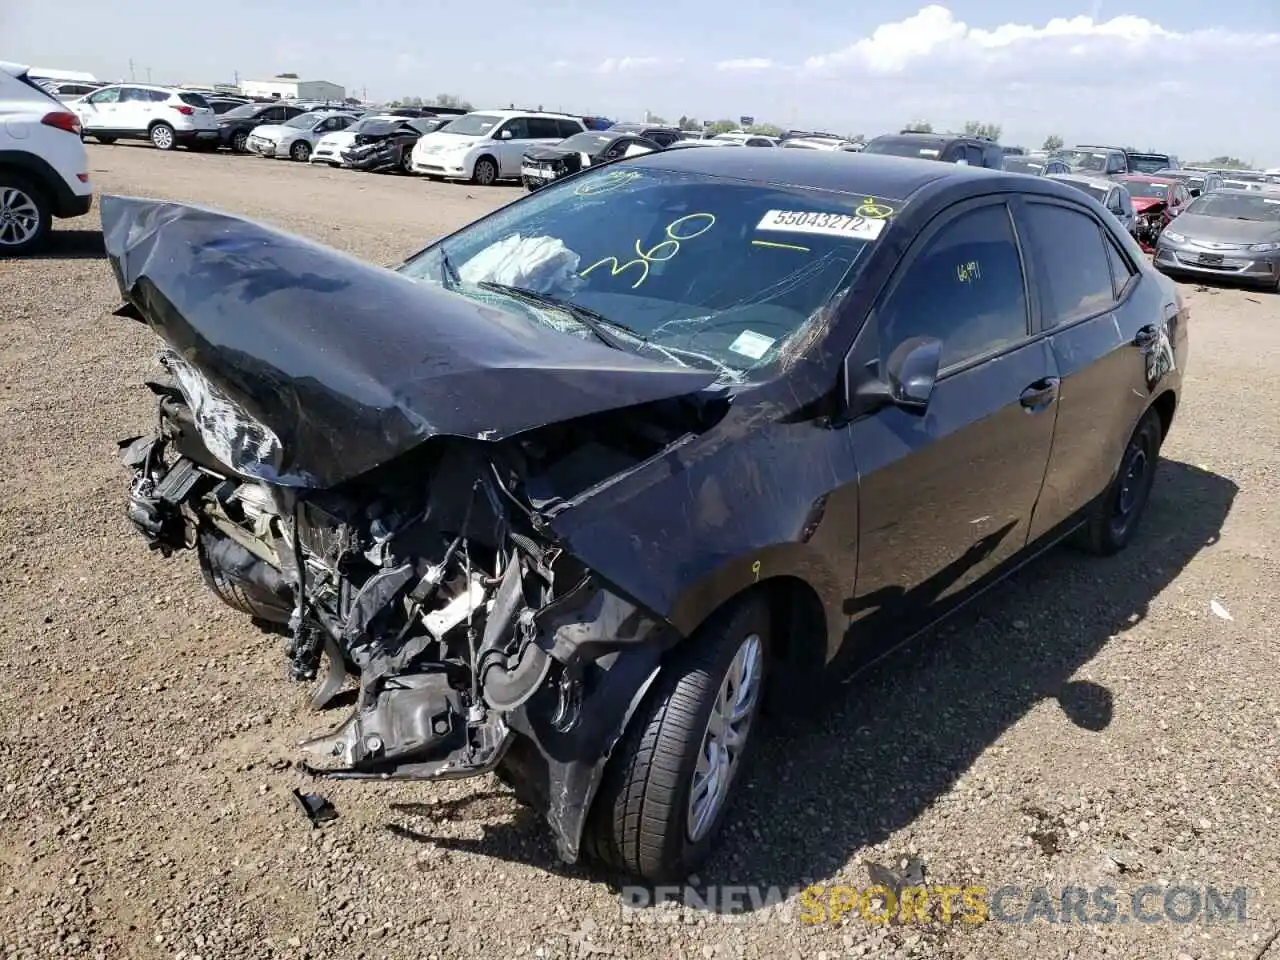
[966,289]
[1073,268]
[543,128]
[1121,271]
[193,100]
[567,128]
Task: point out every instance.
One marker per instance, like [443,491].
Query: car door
[131,111]
[946,496]
[99,112]
[1093,302]
[1179,199]
[1116,164]
[510,141]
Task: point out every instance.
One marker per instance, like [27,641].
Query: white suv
[44,172]
[139,111]
[488,145]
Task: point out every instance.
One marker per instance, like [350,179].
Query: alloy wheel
[728,727]
[162,137]
[19,217]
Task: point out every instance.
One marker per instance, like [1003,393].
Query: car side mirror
[909,376]
[911,372]
[505,135]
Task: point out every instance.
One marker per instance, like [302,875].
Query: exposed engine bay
[433,581]
[1150,223]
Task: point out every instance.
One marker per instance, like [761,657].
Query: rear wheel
[1116,516]
[670,781]
[300,151]
[162,137]
[25,215]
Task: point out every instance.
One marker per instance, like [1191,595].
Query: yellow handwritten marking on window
[755,568]
[779,246]
[969,272]
[610,181]
[871,210]
[675,233]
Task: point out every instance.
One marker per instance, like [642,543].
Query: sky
[1198,79]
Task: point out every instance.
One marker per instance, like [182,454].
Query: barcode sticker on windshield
[751,344]
[826,224]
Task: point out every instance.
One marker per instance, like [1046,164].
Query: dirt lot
[1095,723]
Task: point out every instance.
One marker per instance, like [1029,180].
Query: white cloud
[623,64]
[935,34]
[746,63]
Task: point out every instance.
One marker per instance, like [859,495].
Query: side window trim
[924,238]
[1107,237]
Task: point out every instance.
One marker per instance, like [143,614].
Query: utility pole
[131,74]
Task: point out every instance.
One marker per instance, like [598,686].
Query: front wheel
[1115,519]
[669,783]
[240,142]
[162,137]
[300,151]
[485,173]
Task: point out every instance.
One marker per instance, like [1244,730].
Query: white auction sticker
[827,224]
[751,344]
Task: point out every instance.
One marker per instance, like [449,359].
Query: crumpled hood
[1143,204]
[347,364]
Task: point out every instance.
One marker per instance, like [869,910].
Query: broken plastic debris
[315,807]
[1220,611]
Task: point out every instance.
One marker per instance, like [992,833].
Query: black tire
[162,136]
[434,178]
[240,597]
[300,151]
[240,141]
[640,823]
[1116,517]
[485,173]
[406,161]
[106,140]
[26,215]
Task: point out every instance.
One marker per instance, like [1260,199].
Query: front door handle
[1040,395]
[1146,336]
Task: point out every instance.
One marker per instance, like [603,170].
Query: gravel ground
[1093,723]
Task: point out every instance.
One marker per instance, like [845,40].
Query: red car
[1156,201]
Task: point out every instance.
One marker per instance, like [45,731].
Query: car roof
[525,113]
[1077,178]
[1147,178]
[832,170]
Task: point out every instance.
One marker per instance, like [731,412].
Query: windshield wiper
[597,323]
[448,275]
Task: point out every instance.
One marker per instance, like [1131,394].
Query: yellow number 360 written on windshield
[677,231]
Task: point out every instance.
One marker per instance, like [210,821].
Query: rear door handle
[1040,395]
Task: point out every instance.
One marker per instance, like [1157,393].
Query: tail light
[62,120]
[184,110]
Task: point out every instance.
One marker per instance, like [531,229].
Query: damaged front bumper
[470,650]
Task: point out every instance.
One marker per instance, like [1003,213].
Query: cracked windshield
[702,271]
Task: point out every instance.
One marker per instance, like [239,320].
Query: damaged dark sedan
[387,145]
[545,163]
[571,490]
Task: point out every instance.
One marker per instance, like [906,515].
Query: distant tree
[722,126]
[975,128]
[451,100]
[1228,163]
[654,118]
[690,123]
[1052,142]
[410,102]
[766,129]
[919,126]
